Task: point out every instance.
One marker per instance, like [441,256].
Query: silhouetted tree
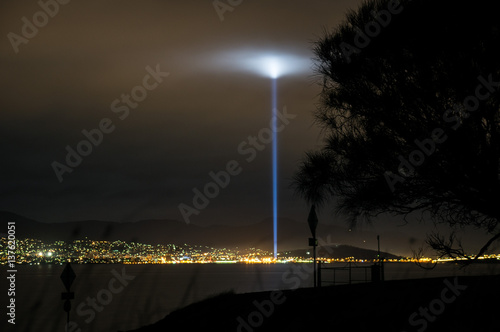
[410,111]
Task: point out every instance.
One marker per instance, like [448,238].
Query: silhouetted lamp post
[67,277]
[312,220]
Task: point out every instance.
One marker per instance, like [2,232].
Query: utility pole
[378,244]
[380,260]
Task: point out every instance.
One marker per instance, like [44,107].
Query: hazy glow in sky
[264,63]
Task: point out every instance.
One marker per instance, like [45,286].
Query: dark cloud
[90,53]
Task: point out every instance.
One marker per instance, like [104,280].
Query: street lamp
[312,220]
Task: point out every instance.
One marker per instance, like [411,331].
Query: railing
[376,273]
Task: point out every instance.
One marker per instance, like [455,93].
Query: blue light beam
[275,166]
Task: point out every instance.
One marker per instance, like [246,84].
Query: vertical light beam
[275,167]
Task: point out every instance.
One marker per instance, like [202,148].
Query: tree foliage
[410,114]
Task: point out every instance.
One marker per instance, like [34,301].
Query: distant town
[86,251]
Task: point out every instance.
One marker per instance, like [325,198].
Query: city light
[31,251]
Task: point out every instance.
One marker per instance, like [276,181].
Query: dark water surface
[130,296]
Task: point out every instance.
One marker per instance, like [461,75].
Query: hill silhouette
[292,234]
[341,251]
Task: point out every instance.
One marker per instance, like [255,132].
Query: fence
[350,273]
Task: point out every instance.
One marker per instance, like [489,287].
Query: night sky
[64,78]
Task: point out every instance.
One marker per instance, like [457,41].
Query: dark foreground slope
[437,304]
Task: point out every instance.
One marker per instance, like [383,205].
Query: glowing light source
[272,65]
[275,168]
[264,63]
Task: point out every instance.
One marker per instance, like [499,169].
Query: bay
[112,297]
